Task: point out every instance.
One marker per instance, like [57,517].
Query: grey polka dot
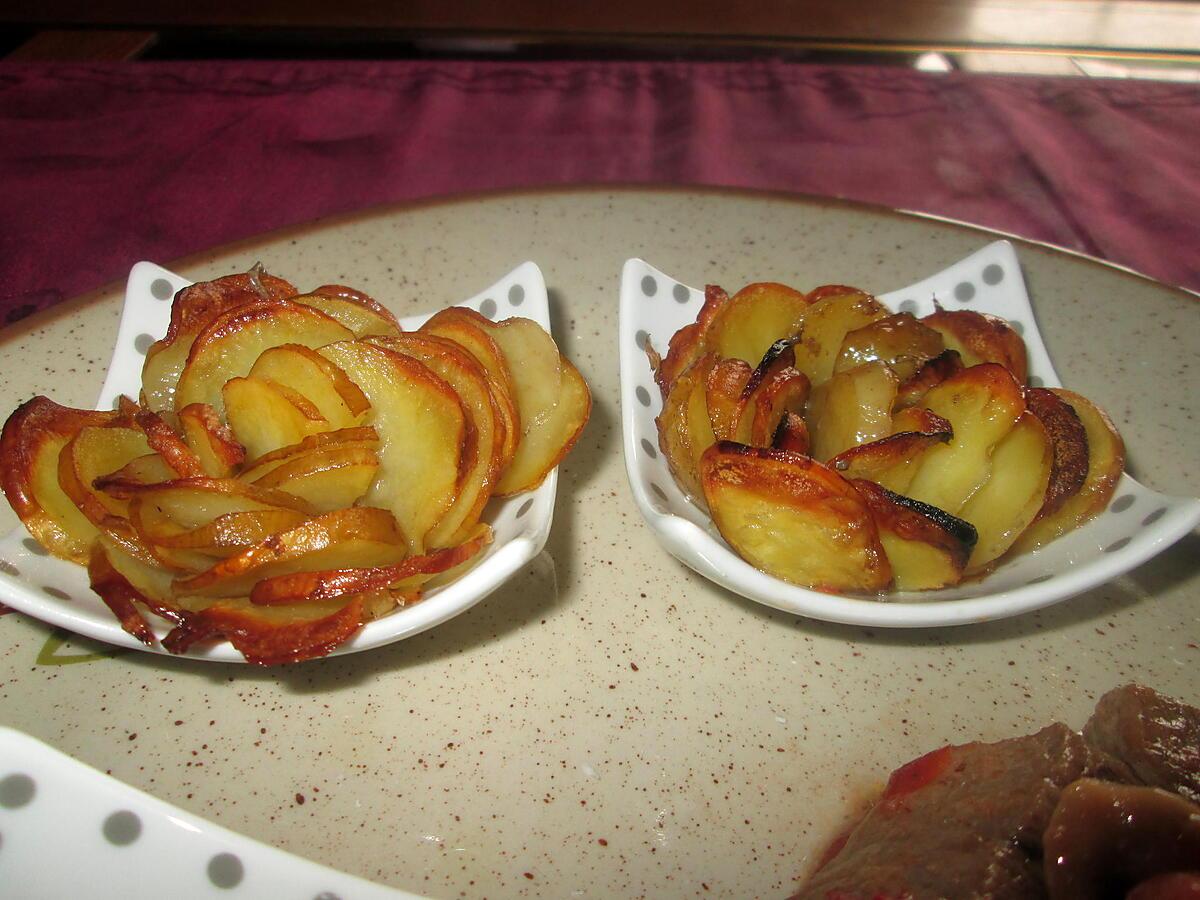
[516,295]
[1118,545]
[908,306]
[662,495]
[1035,381]
[1155,516]
[1016,326]
[681,293]
[225,870]
[992,274]
[122,827]
[649,286]
[649,448]
[1122,503]
[8,568]
[964,291]
[55,592]
[34,547]
[142,342]
[488,308]
[642,395]
[640,339]
[160,289]
[16,790]
[525,507]
[1041,578]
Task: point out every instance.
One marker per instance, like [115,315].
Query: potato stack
[842,447]
[296,465]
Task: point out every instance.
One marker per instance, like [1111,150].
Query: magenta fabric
[105,164]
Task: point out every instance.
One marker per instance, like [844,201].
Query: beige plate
[609,723]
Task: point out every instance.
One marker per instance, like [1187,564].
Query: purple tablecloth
[104,164]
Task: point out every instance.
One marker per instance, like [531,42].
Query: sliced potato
[981,404]
[1069,439]
[191,312]
[853,407]
[794,518]
[312,376]
[169,444]
[421,425]
[981,338]
[327,479]
[33,438]
[792,434]
[229,346]
[931,373]
[926,547]
[137,473]
[753,319]
[678,421]
[265,416]
[211,440]
[1009,500]
[1106,462]
[687,344]
[232,532]
[834,311]
[91,454]
[358,436]
[898,341]
[892,461]
[723,397]
[354,309]
[193,502]
[782,392]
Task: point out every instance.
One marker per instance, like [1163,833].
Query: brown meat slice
[959,822]
[1156,737]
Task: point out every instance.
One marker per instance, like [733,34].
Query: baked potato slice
[684,425]
[753,319]
[168,443]
[265,415]
[137,473]
[1015,490]
[899,341]
[794,518]
[687,344]
[1106,462]
[211,440]
[357,311]
[931,373]
[834,311]
[784,391]
[1068,437]
[892,461]
[725,400]
[982,404]
[926,547]
[96,451]
[328,479]
[338,399]
[853,407]
[422,430]
[193,502]
[792,434]
[358,436]
[981,338]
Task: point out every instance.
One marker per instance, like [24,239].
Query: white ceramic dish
[124,843]
[57,592]
[1138,523]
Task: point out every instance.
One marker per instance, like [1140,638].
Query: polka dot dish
[1138,524]
[57,591]
[127,844]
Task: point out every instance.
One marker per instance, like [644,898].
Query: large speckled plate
[608,722]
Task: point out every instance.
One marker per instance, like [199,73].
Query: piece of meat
[1105,839]
[960,822]
[1156,737]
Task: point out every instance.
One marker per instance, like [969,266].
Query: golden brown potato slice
[92,453]
[981,338]
[544,445]
[192,310]
[981,404]
[312,376]
[168,443]
[462,325]
[265,415]
[680,417]
[421,425]
[892,461]
[156,533]
[784,391]
[354,309]
[309,587]
[361,537]
[148,469]
[1106,462]
[327,479]
[118,595]
[833,313]
[33,438]
[687,344]
[927,547]
[194,502]
[898,341]
[794,518]
[482,452]
[792,434]
[211,440]
[233,532]
[1009,500]
[229,346]
[1069,439]
[723,397]
[358,436]
[851,408]
[753,319]
[932,372]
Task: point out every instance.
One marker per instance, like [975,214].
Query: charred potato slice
[794,518]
